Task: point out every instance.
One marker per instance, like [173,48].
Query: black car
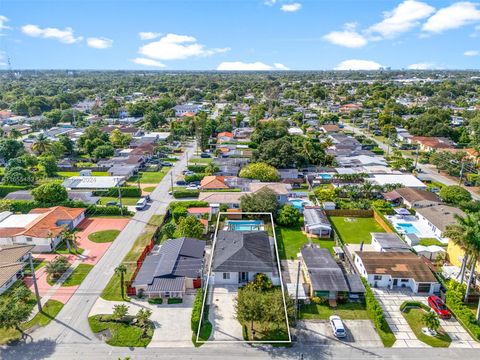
[181,183]
[205,155]
[468,183]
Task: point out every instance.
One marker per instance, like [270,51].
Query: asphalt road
[71,325]
[428,169]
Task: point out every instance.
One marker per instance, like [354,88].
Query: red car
[439,307]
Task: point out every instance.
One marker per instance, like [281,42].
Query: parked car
[181,183]
[205,155]
[140,205]
[191,187]
[188,172]
[147,197]
[337,326]
[468,183]
[165,163]
[439,307]
[112,203]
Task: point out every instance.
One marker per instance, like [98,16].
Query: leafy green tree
[121,270]
[288,215]
[49,164]
[260,171]
[248,308]
[153,119]
[18,176]
[50,193]
[179,213]
[103,151]
[277,153]
[168,230]
[119,139]
[67,143]
[324,194]
[190,226]
[454,194]
[10,148]
[15,309]
[264,200]
[57,267]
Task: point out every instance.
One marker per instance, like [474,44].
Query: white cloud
[65,36]
[355,64]
[148,35]
[3,21]
[421,66]
[177,47]
[403,18]
[452,17]
[148,62]
[471,53]
[255,66]
[293,7]
[270,2]
[99,43]
[347,37]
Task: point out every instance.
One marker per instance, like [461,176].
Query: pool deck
[423,231]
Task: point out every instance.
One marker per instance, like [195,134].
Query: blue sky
[239,34]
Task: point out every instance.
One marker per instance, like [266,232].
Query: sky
[239,34]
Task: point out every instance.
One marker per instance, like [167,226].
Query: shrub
[319,300]
[288,215]
[174,300]
[454,194]
[179,194]
[178,213]
[197,168]
[107,210]
[125,191]
[194,177]
[197,310]
[155,301]
[188,204]
[454,301]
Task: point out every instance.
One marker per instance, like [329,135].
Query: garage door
[424,288]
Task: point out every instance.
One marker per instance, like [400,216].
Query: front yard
[126,201]
[149,177]
[347,311]
[353,230]
[78,275]
[103,236]
[414,315]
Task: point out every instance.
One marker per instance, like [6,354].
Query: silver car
[337,326]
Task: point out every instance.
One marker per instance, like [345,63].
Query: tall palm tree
[70,238]
[121,270]
[42,143]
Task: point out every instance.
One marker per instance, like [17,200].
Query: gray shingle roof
[167,284]
[315,216]
[389,241]
[181,257]
[245,251]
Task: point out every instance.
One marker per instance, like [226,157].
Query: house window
[226,276]
[377,277]
[29,239]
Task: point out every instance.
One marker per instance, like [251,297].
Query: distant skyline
[239,34]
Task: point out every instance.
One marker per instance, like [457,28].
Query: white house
[383,242]
[316,222]
[438,217]
[13,259]
[238,256]
[406,180]
[395,270]
[93,182]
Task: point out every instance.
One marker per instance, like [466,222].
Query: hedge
[178,194]
[197,311]
[107,210]
[126,191]
[411,303]
[6,189]
[194,177]
[454,301]
[376,314]
[197,168]
[24,206]
[188,204]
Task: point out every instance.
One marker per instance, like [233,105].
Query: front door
[395,282]
[242,277]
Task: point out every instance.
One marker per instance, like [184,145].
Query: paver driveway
[390,300]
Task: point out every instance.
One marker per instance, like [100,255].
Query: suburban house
[360,160]
[329,128]
[126,171]
[85,196]
[186,108]
[324,276]
[13,259]
[238,256]
[413,198]
[171,269]
[93,182]
[406,180]
[316,222]
[396,270]
[225,137]
[280,189]
[41,227]
[432,143]
[231,199]
[438,217]
[348,108]
[384,242]
[213,183]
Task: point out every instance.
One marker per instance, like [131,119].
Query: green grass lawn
[49,311]
[125,201]
[149,188]
[347,311]
[431,241]
[77,173]
[103,236]
[63,250]
[78,274]
[414,319]
[112,291]
[200,161]
[150,177]
[122,334]
[355,231]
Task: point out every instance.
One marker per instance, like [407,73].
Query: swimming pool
[407,228]
[299,203]
[325,176]
[244,225]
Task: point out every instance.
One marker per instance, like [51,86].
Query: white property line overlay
[208,280]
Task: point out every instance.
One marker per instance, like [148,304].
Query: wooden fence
[350,212]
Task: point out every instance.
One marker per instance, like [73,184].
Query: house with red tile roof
[347,108]
[224,137]
[432,143]
[213,183]
[41,227]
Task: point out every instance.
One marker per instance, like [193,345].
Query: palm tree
[70,237]
[143,319]
[121,270]
[119,312]
[430,319]
[42,143]
[65,236]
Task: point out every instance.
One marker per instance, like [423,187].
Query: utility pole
[296,292]
[171,179]
[388,143]
[34,278]
[120,199]
[461,173]
[416,158]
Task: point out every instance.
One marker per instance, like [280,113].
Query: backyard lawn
[413,315]
[431,241]
[125,200]
[347,311]
[355,230]
[78,274]
[103,236]
[150,177]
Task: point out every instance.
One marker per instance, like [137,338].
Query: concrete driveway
[172,321]
[222,314]
[360,334]
[390,300]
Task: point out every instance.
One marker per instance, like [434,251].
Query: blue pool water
[325,176]
[299,203]
[408,228]
[244,225]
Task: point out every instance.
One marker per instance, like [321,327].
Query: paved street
[426,168]
[71,325]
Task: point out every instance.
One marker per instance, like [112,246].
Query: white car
[337,326]
[192,187]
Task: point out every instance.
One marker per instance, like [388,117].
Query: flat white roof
[92,182]
[405,180]
[18,221]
